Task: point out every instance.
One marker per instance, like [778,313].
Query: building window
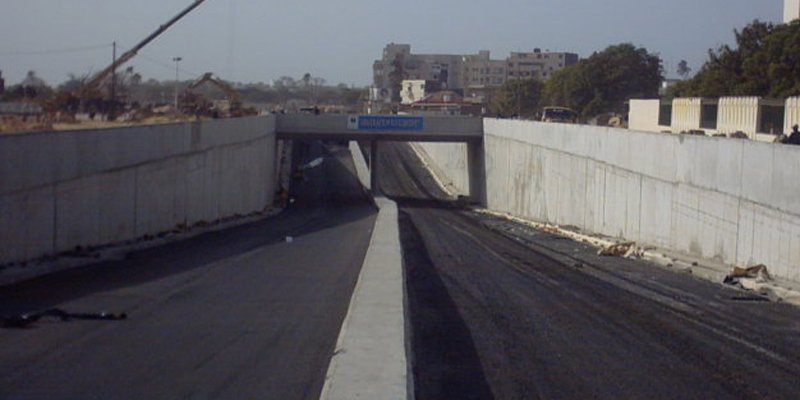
[708,116]
[665,114]
[772,117]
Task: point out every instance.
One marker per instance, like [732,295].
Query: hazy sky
[261,40]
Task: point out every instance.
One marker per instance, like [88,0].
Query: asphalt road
[499,310]
[235,314]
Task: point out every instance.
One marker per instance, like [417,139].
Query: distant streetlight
[177,63]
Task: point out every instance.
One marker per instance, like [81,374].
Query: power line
[55,51]
[171,67]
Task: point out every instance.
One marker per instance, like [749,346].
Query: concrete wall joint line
[629,171]
[91,200]
[134,166]
[54,236]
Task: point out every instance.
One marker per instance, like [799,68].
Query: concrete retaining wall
[449,161]
[59,190]
[736,201]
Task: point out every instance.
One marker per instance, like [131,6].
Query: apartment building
[480,70]
[537,64]
[461,72]
[446,69]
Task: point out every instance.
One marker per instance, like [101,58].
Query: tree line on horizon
[130,87]
[765,62]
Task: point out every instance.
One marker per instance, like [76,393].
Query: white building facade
[791,10]
[759,118]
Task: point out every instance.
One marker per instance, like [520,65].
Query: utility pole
[519,88]
[177,62]
[112,114]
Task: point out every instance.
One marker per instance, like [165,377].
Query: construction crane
[92,88]
[195,103]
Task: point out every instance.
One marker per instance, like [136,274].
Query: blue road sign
[384,123]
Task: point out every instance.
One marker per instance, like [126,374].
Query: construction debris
[758,280]
[758,272]
[739,135]
[624,249]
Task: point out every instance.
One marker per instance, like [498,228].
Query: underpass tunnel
[374,131]
[317,173]
[476,168]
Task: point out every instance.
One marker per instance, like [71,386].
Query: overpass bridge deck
[380,127]
[396,128]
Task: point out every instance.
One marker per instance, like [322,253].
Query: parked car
[559,114]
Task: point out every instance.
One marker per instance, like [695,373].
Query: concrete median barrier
[370,359]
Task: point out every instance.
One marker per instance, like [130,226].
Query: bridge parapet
[380,127]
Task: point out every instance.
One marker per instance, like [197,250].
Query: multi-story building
[480,70]
[459,73]
[791,10]
[442,68]
[537,64]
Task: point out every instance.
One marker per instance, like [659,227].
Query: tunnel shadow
[445,362]
[348,204]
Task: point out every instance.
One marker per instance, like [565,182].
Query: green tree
[517,97]
[31,88]
[765,62]
[683,69]
[606,80]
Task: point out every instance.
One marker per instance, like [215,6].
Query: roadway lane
[499,310]
[236,314]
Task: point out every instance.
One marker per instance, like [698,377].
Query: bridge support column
[476,168]
[373,167]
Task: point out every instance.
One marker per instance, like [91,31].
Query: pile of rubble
[15,125]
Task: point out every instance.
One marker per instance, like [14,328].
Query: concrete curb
[369,361]
[361,165]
